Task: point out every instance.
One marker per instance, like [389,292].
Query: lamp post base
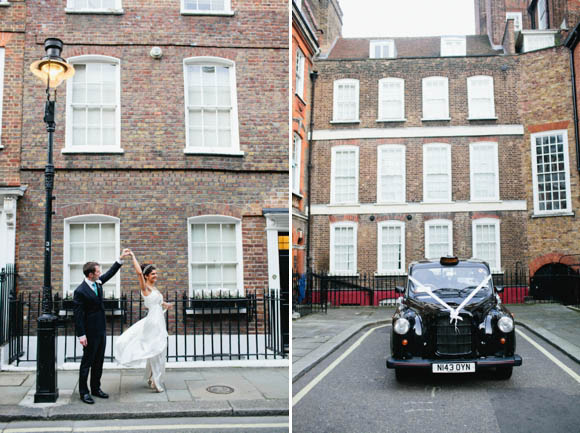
[46,373]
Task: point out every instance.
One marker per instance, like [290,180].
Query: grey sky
[370,18]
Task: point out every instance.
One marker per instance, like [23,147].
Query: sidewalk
[243,391]
[317,335]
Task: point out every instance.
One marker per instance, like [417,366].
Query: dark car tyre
[401,374]
[503,373]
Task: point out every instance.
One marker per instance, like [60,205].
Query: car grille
[452,341]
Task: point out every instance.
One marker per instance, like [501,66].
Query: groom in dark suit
[90,325]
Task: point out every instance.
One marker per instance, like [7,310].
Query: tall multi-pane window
[435,98]
[486,241]
[90,238]
[346,98]
[484,173]
[391,174]
[551,173]
[343,242]
[437,172]
[215,255]
[438,238]
[296,155]
[94,5]
[481,97]
[1,90]
[93,105]
[391,244]
[391,99]
[344,175]
[453,46]
[382,49]
[211,113]
[206,6]
[299,73]
[542,14]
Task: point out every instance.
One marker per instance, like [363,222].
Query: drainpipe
[571,42]
[313,77]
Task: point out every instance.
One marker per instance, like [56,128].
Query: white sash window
[453,46]
[437,172]
[391,174]
[435,98]
[344,175]
[300,73]
[296,155]
[486,242]
[391,254]
[484,173]
[346,98]
[481,97]
[343,242]
[391,99]
[438,239]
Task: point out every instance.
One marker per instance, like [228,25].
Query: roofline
[326,59]
[305,29]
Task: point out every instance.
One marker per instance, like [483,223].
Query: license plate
[454,367]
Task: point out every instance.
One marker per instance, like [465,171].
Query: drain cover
[220,389]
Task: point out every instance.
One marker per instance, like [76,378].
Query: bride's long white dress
[146,340]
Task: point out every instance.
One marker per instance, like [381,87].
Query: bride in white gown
[146,340]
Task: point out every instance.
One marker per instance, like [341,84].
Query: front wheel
[503,373]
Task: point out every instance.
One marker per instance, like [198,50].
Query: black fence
[7,290]
[205,329]
[308,294]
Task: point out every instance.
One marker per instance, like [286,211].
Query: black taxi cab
[451,320]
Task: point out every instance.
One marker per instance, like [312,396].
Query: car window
[438,278]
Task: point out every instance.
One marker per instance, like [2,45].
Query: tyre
[503,373]
[401,374]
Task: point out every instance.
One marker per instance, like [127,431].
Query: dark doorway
[556,282]
[284,263]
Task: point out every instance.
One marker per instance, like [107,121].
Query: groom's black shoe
[100,393]
[86,398]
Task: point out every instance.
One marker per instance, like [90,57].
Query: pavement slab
[12,379]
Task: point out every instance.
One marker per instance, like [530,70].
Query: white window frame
[227,10]
[543,18]
[472,164]
[402,163]
[114,148]
[457,49]
[394,271]
[517,17]
[300,62]
[401,95]
[234,149]
[426,148]
[337,83]
[537,211]
[342,224]
[71,9]
[490,96]
[496,223]
[2,62]
[217,219]
[115,282]
[384,44]
[335,149]
[426,100]
[440,222]
[296,163]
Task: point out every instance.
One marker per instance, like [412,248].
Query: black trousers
[93,358]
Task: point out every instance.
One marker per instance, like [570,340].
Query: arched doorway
[556,282]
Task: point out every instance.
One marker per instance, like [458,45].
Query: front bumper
[487,362]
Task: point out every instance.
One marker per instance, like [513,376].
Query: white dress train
[146,340]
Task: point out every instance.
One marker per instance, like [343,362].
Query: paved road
[361,395]
[177,425]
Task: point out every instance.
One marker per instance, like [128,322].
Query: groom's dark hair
[90,268]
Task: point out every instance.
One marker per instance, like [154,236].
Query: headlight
[505,324]
[401,326]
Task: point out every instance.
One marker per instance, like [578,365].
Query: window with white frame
[346,98]
[93,105]
[211,113]
[343,244]
[1,90]
[542,14]
[437,172]
[551,173]
[296,155]
[206,7]
[391,99]
[391,173]
[438,238]
[382,49]
[484,172]
[481,97]
[517,17]
[90,238]
[486,244]
[435,98]
[93,6]
[344,175]
[453,46]
[391,243]
[299,73]
[215,256]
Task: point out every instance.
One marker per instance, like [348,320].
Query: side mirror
[499,289]
[400,289]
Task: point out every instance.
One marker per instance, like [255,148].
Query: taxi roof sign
[449,261]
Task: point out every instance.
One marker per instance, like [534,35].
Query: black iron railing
[308,294]
[7,292]
[243,328]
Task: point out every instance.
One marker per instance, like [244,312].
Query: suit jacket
[88,307]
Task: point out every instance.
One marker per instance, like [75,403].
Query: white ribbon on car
[453,312]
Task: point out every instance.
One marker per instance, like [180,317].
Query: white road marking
[550,356]
[178,427]
[332,366]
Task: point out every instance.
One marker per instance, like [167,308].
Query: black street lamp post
[52,70]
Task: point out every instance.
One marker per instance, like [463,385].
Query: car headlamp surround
[401,326]
[505,324]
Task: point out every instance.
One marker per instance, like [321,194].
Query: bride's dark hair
[146,269]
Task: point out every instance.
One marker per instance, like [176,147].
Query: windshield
[455,281]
